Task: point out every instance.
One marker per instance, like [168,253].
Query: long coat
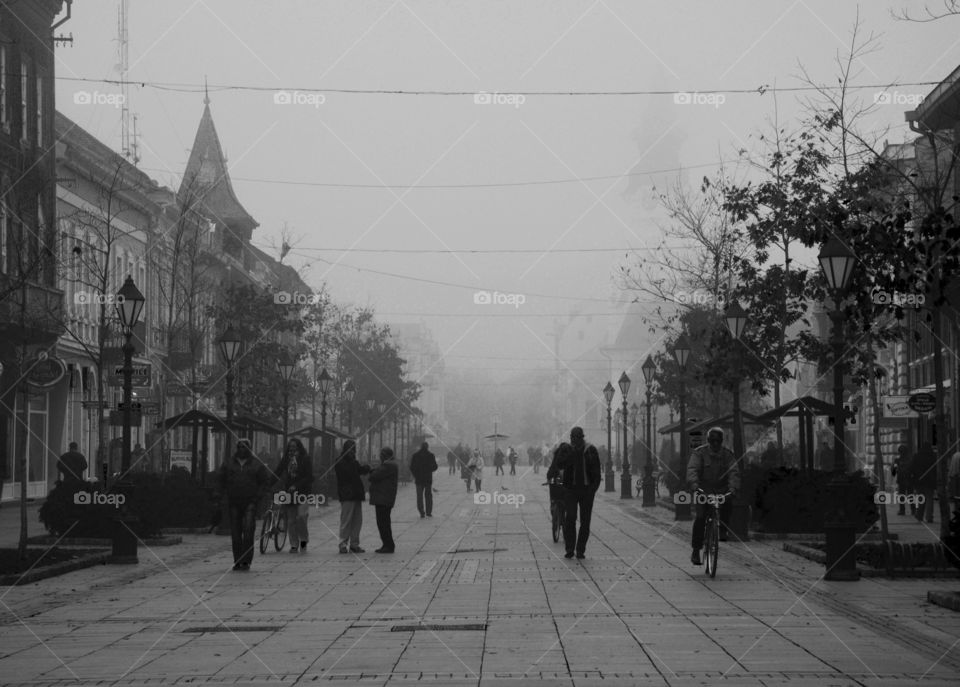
[383,484]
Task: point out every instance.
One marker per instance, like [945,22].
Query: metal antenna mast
[128,140]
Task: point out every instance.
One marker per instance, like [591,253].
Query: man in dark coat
[244,479]
[422,466]
[383,495]
[901,470]
[923,476]
[72,465]
[582,475]
[351,493]
[714,469]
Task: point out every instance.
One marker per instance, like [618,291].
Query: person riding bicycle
[713,469]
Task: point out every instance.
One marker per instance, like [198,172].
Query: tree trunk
[878,458]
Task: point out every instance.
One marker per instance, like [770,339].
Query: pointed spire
[206,94]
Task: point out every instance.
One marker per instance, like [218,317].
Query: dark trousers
[513,468]
[424,493]
[243,524]
[575,497]
[383,526]
[499,470]
[452,468]
[699,524]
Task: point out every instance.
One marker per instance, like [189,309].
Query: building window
[24,90]
[39,107]
[4,85]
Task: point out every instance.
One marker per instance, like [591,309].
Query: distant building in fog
[424,365]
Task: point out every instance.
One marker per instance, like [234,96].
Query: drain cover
[481,627]
[239,628]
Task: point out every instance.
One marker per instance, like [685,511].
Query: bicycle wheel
[265,527]
[557,521]
[712,545]
[280,531]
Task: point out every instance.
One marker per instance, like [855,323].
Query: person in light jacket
[351,493]
[476,468]
[383,495]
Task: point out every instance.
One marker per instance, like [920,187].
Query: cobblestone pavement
[477,595]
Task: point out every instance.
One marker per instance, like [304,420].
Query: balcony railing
[40,321]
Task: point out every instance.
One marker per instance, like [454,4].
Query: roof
[722,421]
[941,108]
[791,408]
[208,166]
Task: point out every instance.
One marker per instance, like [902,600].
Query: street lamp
[285,367]
[349,393]
[381,408]
[836,262]
[626,488]
[609,483]
[737,319]
[229,344]
[324,381]
[681,353]
[634,414]
[129,307]
[617,421]
[370,403]
[649,490]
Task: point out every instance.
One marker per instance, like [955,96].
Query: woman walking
[296,478]
[383,495]
[476,468]
[351,493]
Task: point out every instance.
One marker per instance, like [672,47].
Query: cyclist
[713,469]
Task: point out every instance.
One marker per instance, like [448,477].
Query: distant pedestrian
[466,474]
[901,470]
[243,481]
[923,474]
[451,463]
[295,474]
[498,462]
[422,466]
[72,465]
[476,468]
[512,457]
[582,475]
[351,493]
[383,495]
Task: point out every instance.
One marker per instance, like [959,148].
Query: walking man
[901,470]
[350,492]
[582,475]
[72,465]
[451,463]
[923,472]
[244,479]
[422,465]
[512,457]
[713,469]
[383,495]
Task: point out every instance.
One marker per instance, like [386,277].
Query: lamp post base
[626,485]
[608,480]
[739,524]
[649,491]
[682,511]
[840,535]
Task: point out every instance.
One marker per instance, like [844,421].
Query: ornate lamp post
[370,403]
[229,344]
[617,420]
[324,381]
[626,487]
[836,262]
[737,319]
[609,483]
[285,367]
[649,491]
[381,408]
[129,307]
[349,393]
[681,353]
[634,414]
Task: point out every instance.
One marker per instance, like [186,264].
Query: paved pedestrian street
[477,595]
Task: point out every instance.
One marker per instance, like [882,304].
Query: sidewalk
[477,595]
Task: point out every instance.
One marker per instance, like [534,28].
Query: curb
[96,541]
[16,579]
[949,600]
[818,556]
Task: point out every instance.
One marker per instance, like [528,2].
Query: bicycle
[711,532]
[274,526]
[558,511]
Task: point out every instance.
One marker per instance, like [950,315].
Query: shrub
[790,500]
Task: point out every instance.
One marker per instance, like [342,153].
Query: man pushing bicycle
[713,469]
